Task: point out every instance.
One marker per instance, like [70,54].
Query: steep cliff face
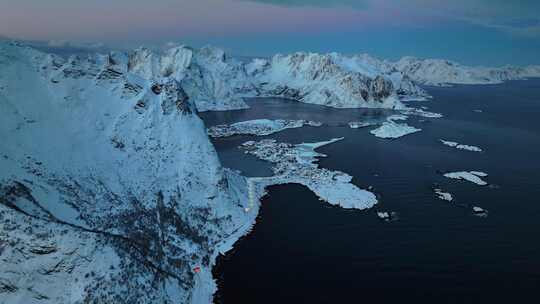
[211,79]
[363,63]
[110,191]
[444,72]
[332,80]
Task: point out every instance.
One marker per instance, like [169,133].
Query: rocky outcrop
[381,87]
[211,79]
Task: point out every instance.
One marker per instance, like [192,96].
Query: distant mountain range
[444,72]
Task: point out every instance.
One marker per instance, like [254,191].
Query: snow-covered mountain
[444,72]
[110,191]
[212,80]
[215,81]
[371,66]
[333,80]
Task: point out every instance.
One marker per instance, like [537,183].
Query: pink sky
[166,19]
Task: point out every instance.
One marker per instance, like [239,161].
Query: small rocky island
[298,164]
[259,127]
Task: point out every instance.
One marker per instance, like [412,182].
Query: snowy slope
[372,67]
[211,79]
[332,80]
[110,191]
[444,72]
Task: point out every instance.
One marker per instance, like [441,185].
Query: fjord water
[305,251]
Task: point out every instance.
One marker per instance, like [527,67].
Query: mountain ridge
[110,188]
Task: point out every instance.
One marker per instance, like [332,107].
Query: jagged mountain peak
[332,79]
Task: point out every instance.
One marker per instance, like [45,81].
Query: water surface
[305,251]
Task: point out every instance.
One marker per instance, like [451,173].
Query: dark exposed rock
[175,97]
[183,106]
[39,296]
[156,88]
[285,91]
[18,196]
[381,88]
[140,106]
[364,94]
[109,74]
[131,89]
[6,286]
[117,143]
[42,249]
[61,266]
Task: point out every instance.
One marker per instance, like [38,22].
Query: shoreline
[205,283]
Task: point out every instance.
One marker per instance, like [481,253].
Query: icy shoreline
[459,146]
[359,124]
[259,127]
[471,176]
[445,196]
[390,129]
[293,164]
[298,164]
[205,284]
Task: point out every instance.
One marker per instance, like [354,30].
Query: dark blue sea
[304,251]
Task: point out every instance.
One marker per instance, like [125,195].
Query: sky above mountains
[485,32]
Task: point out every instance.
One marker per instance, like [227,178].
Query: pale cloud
[142,20]
[514,16]
[165,19]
